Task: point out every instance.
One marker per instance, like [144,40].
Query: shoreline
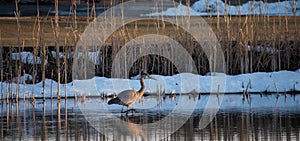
[195,95]
[282,82]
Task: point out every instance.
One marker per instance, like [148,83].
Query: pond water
[258,117]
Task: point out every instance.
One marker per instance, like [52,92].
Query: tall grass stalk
[51,86]
[1,66]
[66,52]
[235,33]
[57,48]
[10,76]
[74,5]
[17,15]
[58,126]
[24,87]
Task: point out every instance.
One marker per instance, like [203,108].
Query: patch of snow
[137,77]
[179,83]
[249,8]
[215,74]
[180,10]
[218,7]
[22,79]
[61,55]
[27,57]
[263,49]
[95,57]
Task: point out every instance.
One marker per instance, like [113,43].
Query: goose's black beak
[151,77]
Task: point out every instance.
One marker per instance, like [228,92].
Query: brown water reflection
[62,120]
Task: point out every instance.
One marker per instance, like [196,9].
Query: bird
[129,97]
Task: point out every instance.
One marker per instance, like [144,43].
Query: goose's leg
[132,110]
[127,110]
[122,109]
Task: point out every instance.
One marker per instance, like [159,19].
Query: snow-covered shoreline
[218,7]
[281,81]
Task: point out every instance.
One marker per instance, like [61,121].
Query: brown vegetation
[274,42]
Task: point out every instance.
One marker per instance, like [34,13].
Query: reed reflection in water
[63,120]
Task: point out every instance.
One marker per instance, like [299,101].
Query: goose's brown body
[129,97]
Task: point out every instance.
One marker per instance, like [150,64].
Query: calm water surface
[258,117]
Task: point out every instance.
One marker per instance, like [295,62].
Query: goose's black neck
[143,86]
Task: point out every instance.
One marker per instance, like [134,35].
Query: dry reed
[251,43]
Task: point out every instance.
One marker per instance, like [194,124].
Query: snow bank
[249,8]
[181,83]
[218,7]
[180,10]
